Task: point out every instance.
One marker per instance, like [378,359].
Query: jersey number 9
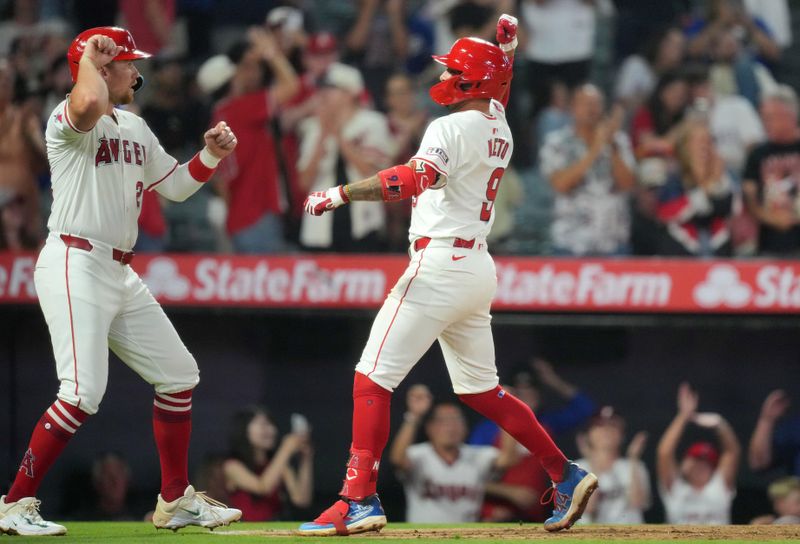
[492,187]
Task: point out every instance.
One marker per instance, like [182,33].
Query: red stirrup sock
[371,404]
[517,419]
[172,428]
[49,438]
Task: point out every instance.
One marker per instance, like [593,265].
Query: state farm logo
[723,286]
[590,284]
[775,286]
[164,279]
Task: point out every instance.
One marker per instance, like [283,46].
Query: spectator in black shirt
[772,176]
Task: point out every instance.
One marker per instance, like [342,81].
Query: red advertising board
[524,284]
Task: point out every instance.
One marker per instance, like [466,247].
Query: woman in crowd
[695,203]
[699,490]
[259,471]
[654,127]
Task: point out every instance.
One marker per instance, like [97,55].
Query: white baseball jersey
[472,149]
[611,497]
[439,492]
[447,289]
[686,505]
[91,301]
[99,176]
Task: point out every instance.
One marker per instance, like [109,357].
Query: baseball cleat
[347,517]
[23,518]
[194,508]
[570,496]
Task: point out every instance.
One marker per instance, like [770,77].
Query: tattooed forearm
[366,189]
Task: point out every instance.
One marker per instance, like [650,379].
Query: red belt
[123,257]
[422,243]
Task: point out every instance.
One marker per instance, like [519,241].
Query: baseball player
[447,289]
[102,161]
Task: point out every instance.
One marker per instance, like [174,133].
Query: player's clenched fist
[100,50]
[320,202]
[220,140]
[507,32]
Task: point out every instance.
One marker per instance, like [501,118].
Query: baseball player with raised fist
[445,293]
[102,160]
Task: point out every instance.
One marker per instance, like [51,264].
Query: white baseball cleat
[194,508]
[23,518]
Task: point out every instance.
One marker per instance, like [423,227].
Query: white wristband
[510,46]
[335,194]
[208,159]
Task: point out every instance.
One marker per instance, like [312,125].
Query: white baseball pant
[92,303]
[445,294]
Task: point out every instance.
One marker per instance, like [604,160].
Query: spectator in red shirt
[251,181]
[259,471]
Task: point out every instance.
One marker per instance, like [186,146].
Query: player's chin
[126,98]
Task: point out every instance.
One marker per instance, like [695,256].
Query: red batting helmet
[120,36]
[485,72]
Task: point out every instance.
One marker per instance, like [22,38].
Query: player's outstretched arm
[88,100]
[395,183]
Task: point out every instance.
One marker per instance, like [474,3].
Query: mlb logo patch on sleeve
[438,152]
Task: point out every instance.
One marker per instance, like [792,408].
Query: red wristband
[343,194]
[198,170]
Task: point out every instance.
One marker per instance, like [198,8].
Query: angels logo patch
[27,463]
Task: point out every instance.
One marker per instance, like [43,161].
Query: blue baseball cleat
[570,497]
[347,517]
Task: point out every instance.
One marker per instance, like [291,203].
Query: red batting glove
[507,32]
[320,202]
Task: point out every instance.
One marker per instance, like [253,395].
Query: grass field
[129,533]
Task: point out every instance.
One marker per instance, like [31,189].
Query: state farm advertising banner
[524,284]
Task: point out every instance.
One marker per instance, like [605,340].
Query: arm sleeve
[165,175]
[60,130]
[439,146]
[578,410]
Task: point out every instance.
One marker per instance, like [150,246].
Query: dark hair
[240,446]
[662,119]
[653,44]
[236,51]
[440,404]
[696,73]
[468,14]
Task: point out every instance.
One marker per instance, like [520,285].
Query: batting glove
[507,32]
[320,202]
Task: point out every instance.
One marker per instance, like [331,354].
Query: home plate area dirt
[782,533]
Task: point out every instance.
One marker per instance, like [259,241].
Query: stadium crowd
[641,128]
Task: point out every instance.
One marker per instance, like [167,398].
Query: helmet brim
[133,55]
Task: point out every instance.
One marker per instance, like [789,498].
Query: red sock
[50,436]
[517,419]
[370,433]
[172,428]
